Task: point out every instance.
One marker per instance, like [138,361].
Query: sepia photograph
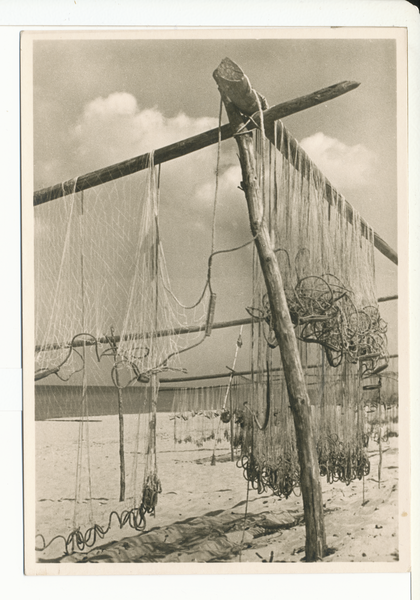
[213,227]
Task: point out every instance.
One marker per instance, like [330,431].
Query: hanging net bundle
[106,319]
[201,415]
[380,397]
[101,282]
[326,260]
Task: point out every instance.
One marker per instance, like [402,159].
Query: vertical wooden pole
[310,481]
[380,434]
[122,457]
[360,397]
[120,422]
[153,412]
[113,345]
[232,458]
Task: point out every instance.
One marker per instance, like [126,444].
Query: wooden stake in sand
[232,455]
[113,345]
[230,77]
[380,431]
[360,391]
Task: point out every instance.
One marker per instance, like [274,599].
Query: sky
[97,102]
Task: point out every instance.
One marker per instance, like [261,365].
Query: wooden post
[360,399]
[111,341]
[121,429]
[122,458]
[380,433]
[310,481]
[232,457]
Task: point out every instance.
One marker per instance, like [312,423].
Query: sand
[361,526]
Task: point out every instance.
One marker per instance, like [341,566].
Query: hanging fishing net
[107,323]
[101,281]
[380,397]
[199,417]
[326,259]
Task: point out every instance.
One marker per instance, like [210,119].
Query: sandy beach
[202,513]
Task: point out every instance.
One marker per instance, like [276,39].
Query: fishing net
[205,414]
[326,259]
[106,319]
[101,281]
[199,416]
[380,397]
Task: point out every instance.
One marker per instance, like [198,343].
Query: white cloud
[347,167]
[119,103]
[115,128]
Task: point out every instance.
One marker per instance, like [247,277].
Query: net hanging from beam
[102,297]
[101,276]
[327,266]
[380,398]
[200,417]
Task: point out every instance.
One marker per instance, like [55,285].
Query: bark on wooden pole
[121,445]
[232,456]
[113,344]
[310,480]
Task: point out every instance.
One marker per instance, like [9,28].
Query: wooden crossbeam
[160,333]
[185,378]
[183,147]
[208,138]
[388,298]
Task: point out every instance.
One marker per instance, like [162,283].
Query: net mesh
[105,315]
[200,416]
[100,276]
[327,264]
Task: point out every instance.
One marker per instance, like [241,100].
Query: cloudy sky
[97,102]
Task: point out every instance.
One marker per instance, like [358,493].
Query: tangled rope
[284,478]
[77,540]
[122,363]
[337,464]
[281,479]
[323,312]
[134,517]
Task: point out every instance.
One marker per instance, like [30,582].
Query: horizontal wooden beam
[285,143]
[387,298]
[218,375]
[88,341]
[223,375]
[187,146]
[142,336]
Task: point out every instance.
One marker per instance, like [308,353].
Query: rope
[135,517]
[225,416]
[323,312]
[219,145]
[84,422]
